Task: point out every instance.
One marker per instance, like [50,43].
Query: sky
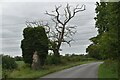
[14,14]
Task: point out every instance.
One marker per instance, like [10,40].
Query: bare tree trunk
[56,52]
[56,56]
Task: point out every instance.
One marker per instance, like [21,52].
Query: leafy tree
[106,22]
[8,62]
[94,51]
[35,39]
[107,40]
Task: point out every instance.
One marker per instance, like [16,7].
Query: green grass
[0,71]
[25,72]
[108,69]
[20,64]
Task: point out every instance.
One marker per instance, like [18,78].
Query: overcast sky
[14,15]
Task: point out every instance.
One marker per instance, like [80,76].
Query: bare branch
[76,10]
[39,24]
[66,15]
[58,15]
[61,32]
[68,42]
[50,14]
[56,26]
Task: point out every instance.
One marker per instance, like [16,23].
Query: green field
[25,72]
[108,69]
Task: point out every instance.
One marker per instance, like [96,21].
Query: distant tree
[62,33]
[35,39]
[67,55]
[8,62]
[18,58]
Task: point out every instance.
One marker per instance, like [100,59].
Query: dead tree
[62,31]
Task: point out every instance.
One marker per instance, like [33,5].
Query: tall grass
[108,69]
[24,71]
[0,71]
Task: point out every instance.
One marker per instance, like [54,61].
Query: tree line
[106,45]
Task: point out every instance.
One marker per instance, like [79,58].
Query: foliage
[0,59]
[51,59]
[106,43]
[35,39]
[26,72]
[0,72]
[94,51]
[18,58]
[0,66]
[8,62]
[67,61]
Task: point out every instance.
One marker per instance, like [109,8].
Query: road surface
[89,70]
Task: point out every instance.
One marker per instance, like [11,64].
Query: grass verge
[0,71]
[108,70]
[25,72]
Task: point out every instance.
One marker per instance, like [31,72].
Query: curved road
[89,70]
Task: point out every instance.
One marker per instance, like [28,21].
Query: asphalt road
[89,70]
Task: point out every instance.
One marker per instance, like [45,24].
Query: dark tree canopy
[8,62]
[107,38]
[107,42]
[35,39]
[18,58]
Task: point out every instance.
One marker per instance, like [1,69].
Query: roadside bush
[8,62]
[18,58]
[51,59]
[65,60]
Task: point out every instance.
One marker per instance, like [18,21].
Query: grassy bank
[25,72]
[0,71]
[108,70]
